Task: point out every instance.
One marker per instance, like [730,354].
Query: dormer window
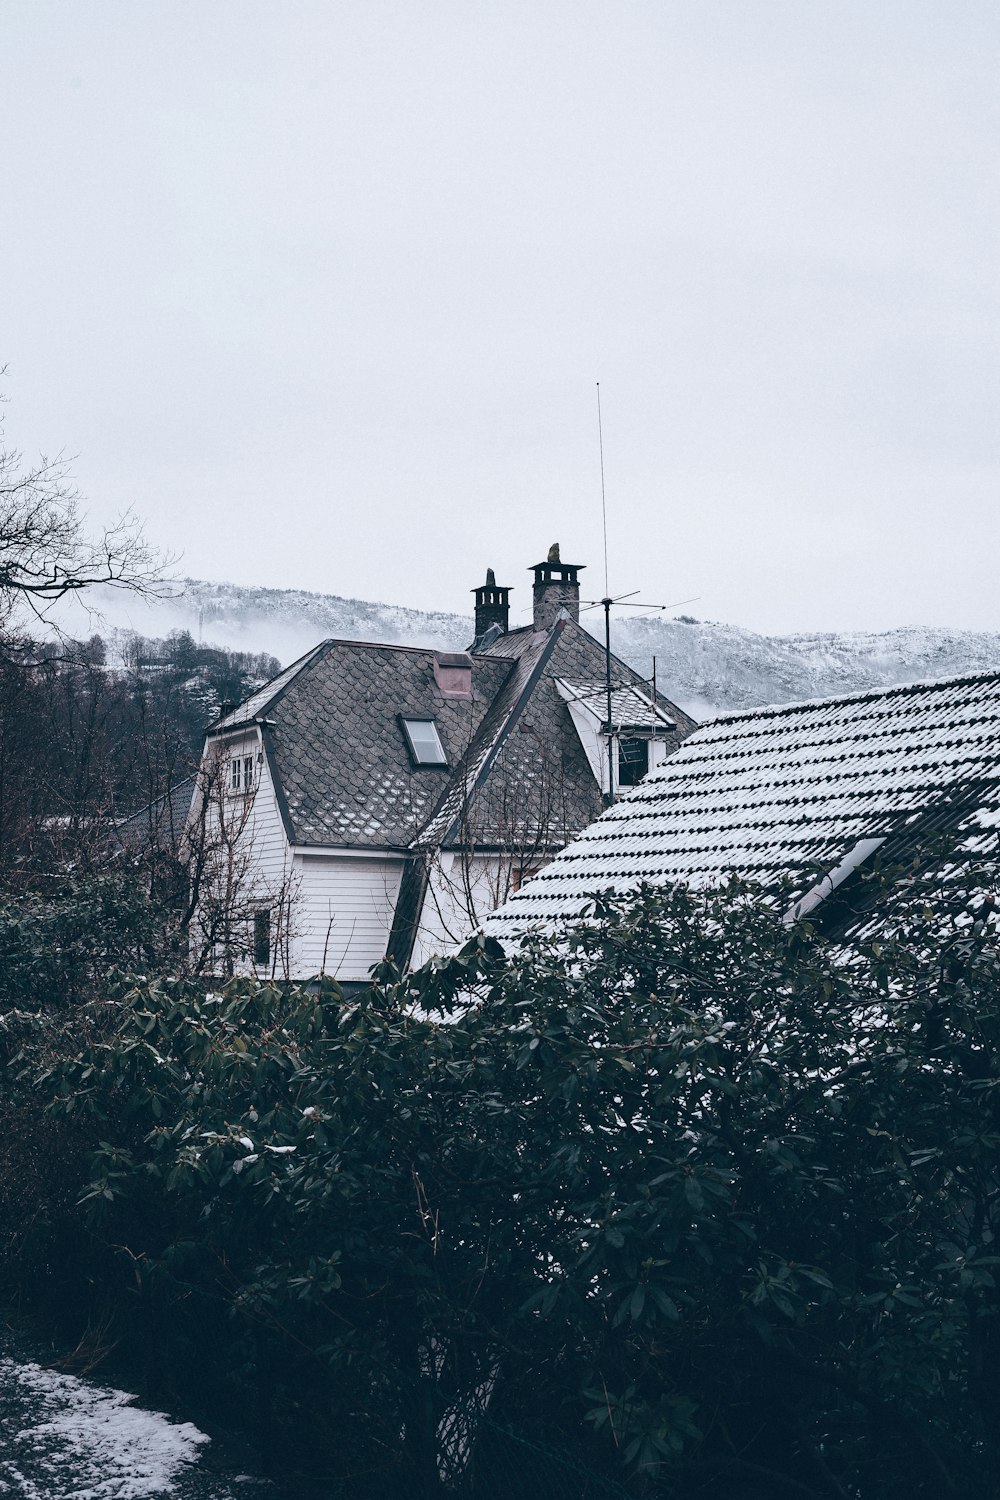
[242,773]
[424,742]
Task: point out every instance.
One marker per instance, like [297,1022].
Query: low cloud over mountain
[702,665]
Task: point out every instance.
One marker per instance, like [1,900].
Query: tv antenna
[623,601]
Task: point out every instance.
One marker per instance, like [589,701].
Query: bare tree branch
[46,551]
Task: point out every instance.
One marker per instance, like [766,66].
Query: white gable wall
[331,911]
[248,862]
[587,724]
[267,832]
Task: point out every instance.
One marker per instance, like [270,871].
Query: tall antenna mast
[607,602]
[604,508]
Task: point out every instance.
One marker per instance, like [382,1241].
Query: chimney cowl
[492,605]
[556,587]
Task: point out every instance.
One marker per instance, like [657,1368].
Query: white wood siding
[253,814]
[332,911]
[258,866]
[266,832]
[457,883]
[343,913]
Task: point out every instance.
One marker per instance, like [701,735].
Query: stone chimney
[557,586]
[492,606]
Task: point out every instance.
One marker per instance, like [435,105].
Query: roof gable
[527,782]
[516,772]
[255,707]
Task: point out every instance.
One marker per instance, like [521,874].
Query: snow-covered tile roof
[631,708]
[778,790]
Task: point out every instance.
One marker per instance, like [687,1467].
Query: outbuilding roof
[787,790]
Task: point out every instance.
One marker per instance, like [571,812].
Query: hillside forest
[95,736]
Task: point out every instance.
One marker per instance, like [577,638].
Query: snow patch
[68,1440]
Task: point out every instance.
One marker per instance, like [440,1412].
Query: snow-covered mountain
[707,665]
[700,664]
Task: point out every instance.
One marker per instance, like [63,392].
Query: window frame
[262,937]
[405,720]
[242,779]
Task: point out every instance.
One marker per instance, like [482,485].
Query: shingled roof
[343,771]
[631,707]
[787,791]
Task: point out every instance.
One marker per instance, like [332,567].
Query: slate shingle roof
[336,749]
[161,824]
[256,706]
[449,823]
[776,791]
[343,770]
[539,789]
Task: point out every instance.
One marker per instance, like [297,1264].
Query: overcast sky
[324,290]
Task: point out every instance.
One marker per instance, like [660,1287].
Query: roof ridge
[289,673]
[870,695]
[343,640]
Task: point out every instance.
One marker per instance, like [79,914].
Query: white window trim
[405,721]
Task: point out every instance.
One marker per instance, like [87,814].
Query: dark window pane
[633,761]
[262,938]
[425,743]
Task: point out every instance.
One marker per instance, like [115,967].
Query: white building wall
[343,913]
[245,846]
[658,752]
[266,832]
[462,890]
[332,911]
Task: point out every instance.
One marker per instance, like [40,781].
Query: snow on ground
[67,1439]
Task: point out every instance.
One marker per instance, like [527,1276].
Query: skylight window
[424,742]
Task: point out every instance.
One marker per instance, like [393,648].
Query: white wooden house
[379,799]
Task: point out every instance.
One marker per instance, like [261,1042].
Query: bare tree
[238,919]
[507,830]
[46,551]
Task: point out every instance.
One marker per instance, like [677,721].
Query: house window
[262,938]
[424,742]
[633,761]
[241,773]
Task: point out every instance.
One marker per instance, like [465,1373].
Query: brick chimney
[492,606]
[557,586]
